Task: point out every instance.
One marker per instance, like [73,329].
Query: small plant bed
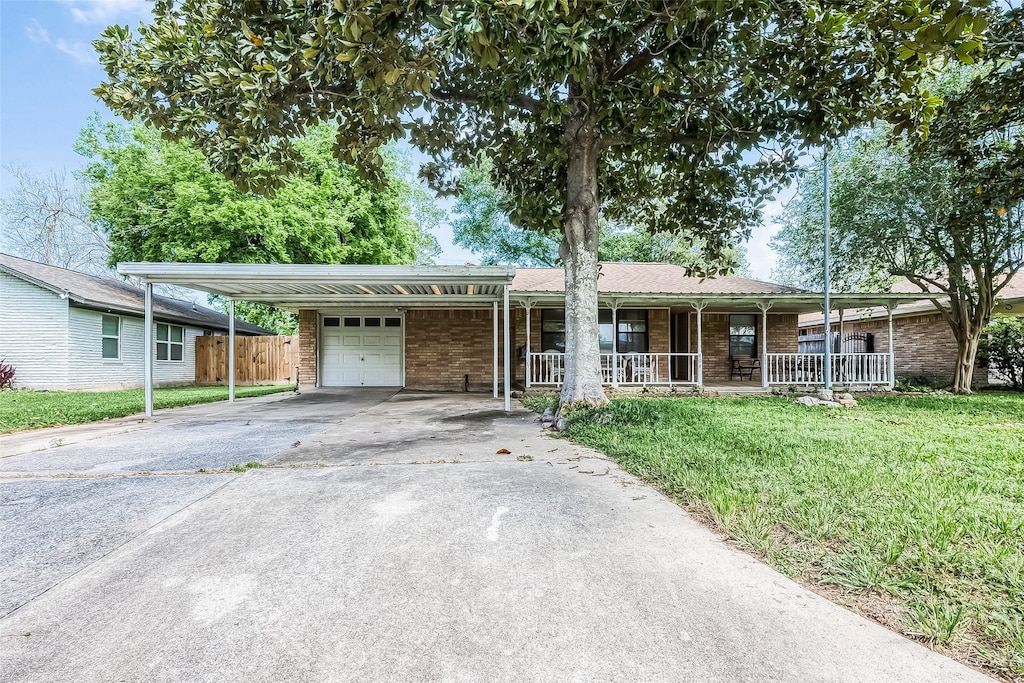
[26,409]
[908,509]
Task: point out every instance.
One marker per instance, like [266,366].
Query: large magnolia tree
[647,111]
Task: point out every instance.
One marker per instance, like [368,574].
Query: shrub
[1006,349]
[6,375]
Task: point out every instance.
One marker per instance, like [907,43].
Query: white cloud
[36,33]
[79,51]
[106,11]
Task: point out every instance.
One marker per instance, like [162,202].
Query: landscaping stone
[812,401]
[826,394]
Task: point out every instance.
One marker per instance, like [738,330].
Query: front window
[552,330]
[632,333]
[743,336]
[631,338]
[170,342]
[111,335]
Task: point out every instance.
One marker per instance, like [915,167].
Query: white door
[361,350]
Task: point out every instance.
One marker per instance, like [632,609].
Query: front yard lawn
[26,409]
[907,509]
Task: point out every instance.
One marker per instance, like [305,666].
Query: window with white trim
[170,342]
[111,335]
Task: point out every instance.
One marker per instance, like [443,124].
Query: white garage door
[361,350]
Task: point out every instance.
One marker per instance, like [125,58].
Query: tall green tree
[914,214]
[159,200]
[643,112]
[481,224]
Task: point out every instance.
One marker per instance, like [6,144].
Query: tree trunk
[966,356]
[970,311]
[582,383]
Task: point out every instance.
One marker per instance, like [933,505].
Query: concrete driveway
[393,542]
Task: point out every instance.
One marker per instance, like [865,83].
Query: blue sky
[47,72]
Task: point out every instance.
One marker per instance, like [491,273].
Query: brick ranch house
[480,328]
[924,345]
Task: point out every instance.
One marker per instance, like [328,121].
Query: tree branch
[524,102]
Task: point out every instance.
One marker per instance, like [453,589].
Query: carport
[352,287]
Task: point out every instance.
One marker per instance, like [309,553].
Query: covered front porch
[729,342]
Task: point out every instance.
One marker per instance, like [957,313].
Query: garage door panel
[365,355]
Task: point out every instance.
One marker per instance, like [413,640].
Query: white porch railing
[620,368]
[847,368]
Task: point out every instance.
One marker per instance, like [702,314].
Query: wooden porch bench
[744,367]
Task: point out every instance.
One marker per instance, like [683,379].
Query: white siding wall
[88,369]
[33,333]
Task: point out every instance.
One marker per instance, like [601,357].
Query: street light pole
[828,283]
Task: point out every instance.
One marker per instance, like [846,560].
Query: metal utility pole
[828,278]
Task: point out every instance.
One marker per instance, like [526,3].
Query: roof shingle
[645,278]
[106,292]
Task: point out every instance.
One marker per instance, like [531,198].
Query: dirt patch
[474,418]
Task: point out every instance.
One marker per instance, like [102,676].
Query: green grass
[910,509]
[27,409]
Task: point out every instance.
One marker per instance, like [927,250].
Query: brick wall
[443,346]
[307,347]
[924,345]
[782,338]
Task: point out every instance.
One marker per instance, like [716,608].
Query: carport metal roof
[294,287]
[319,286]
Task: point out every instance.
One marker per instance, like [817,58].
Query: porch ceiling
[332,286]
[789,302]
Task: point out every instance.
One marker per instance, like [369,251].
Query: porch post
[892,350]
[231,349]
[494,363]
[148,351]
[764,343]
[508,358]
[700,341]
[528,307]
[615,345]
[841,329]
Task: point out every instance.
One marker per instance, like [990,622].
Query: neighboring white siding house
[34,332]
[66,330]
[88,368]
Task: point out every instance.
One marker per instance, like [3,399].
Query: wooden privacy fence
[258,360]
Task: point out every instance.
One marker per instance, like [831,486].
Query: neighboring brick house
[444,327]
[924,345]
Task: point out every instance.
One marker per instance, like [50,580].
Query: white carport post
[508,358]
[494,363]
[147,342]
[528,306]
[231,349]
